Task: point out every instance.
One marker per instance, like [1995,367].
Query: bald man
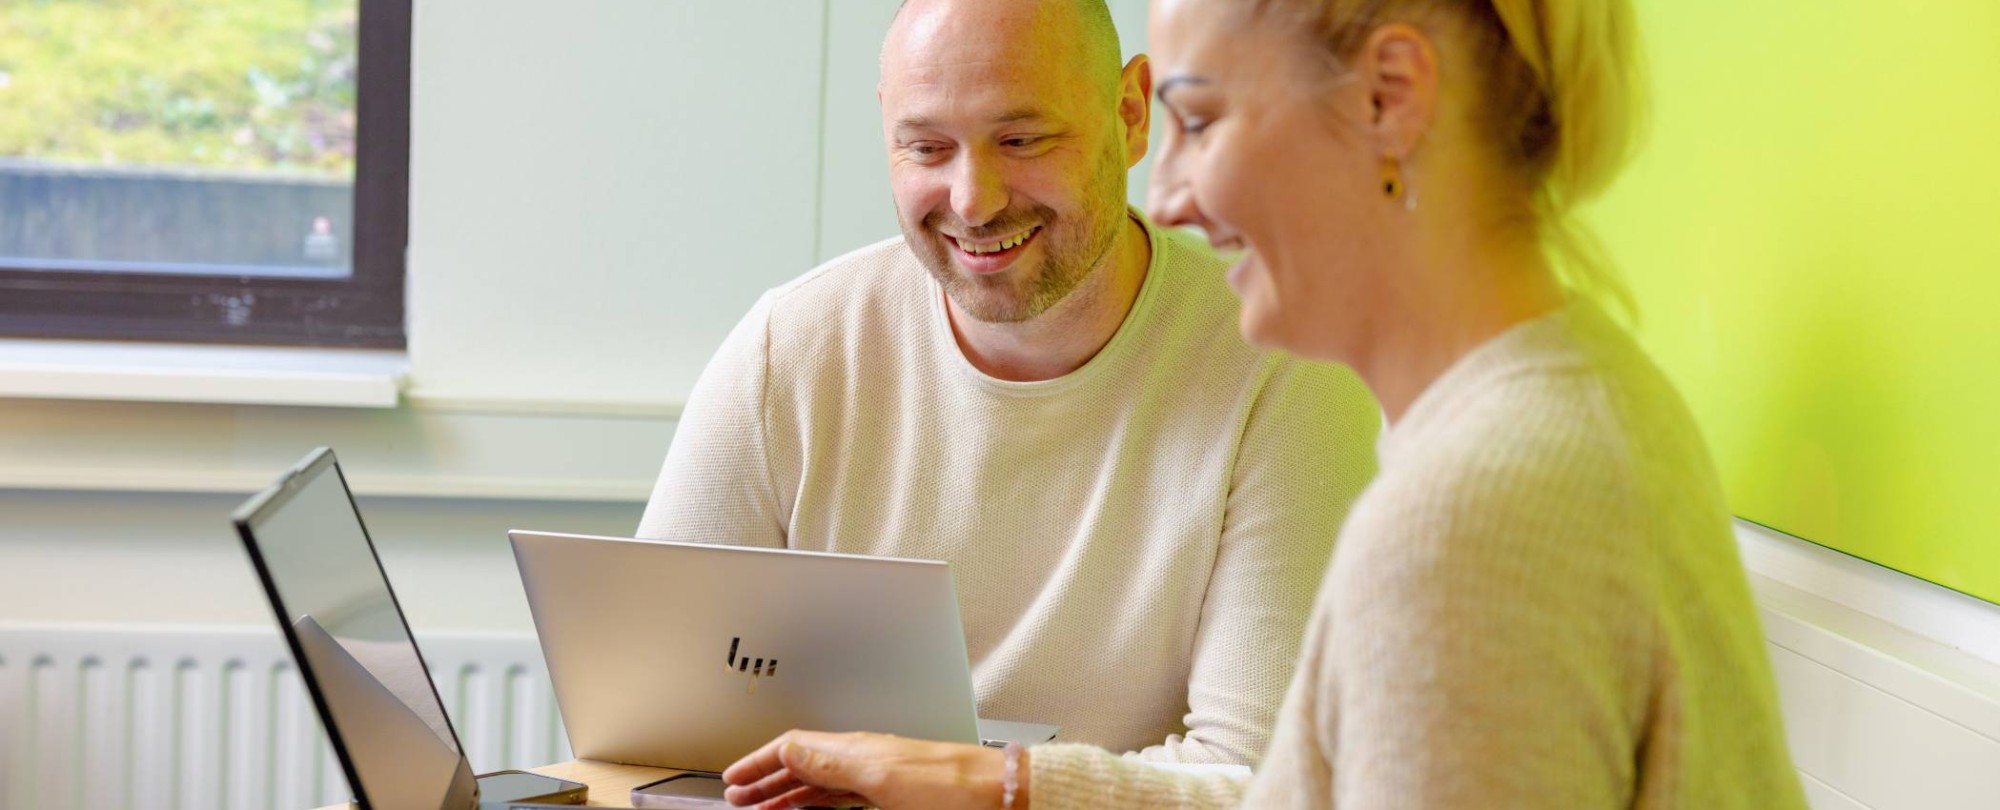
[1037,385]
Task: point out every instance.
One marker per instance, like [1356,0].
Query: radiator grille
[194,718]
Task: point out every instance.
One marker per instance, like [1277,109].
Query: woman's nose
[1172,205]
[1168,200]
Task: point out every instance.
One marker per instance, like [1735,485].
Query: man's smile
[985,256]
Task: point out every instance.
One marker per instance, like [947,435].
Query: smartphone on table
[687,791]
[525,787]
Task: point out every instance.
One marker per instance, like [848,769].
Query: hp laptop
[689,656]
[350,641]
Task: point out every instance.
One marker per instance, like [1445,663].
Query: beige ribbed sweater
[1135,544]
[1537,605]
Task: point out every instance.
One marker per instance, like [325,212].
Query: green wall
[1812,229]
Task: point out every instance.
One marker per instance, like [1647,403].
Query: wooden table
[610,784]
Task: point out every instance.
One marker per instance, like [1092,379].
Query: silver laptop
[367,678]
[690,656]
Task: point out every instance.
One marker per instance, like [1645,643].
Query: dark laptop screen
[323,577]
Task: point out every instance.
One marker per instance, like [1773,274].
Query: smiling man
[1038,386]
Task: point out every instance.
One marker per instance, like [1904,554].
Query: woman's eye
[1194,126]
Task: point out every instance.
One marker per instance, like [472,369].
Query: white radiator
[96,717]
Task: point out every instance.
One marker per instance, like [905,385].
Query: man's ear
[1135,107]
[1400,66]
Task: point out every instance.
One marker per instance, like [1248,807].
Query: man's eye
[1020,142]
[924,149]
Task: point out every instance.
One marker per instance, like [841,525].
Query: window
[231,171]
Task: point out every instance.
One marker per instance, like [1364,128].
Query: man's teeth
[994,247]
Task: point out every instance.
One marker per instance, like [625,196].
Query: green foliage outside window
[255,85]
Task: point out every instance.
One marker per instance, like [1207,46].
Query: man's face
[1007,161]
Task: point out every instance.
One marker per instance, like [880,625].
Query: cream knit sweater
[1135,544]
[1537,605]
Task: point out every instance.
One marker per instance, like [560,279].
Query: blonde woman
[1538,602]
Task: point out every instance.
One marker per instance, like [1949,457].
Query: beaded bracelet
[1010,776]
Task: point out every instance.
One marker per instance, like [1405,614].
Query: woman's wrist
[1021,793]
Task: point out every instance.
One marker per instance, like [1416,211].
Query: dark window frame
[364,310]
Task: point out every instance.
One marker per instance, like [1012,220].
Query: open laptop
[350,641]
[689,656]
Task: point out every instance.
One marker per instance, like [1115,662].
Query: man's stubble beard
[1015,298]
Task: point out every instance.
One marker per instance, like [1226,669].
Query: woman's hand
[810,768]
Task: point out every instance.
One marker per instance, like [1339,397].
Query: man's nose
[979,193]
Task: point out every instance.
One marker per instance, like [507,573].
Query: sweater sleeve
[716,486]
[1307,450]
[1067,777]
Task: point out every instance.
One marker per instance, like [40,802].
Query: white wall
[855,207]
[599,189]
[172,558]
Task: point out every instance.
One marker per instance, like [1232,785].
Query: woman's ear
[1400,67]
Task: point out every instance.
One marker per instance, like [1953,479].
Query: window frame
[364,310]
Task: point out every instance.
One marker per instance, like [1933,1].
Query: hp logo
[760,669]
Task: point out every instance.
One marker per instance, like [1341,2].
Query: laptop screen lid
[368,680]
[689,656]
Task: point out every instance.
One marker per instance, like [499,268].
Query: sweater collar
[1541,342]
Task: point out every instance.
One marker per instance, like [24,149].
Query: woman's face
[1266,150]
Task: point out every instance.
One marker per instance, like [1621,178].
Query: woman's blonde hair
[1562,102]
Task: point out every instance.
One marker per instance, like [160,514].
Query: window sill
[226,375]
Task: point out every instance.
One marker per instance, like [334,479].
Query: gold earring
[1393,185]
[1392,177]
